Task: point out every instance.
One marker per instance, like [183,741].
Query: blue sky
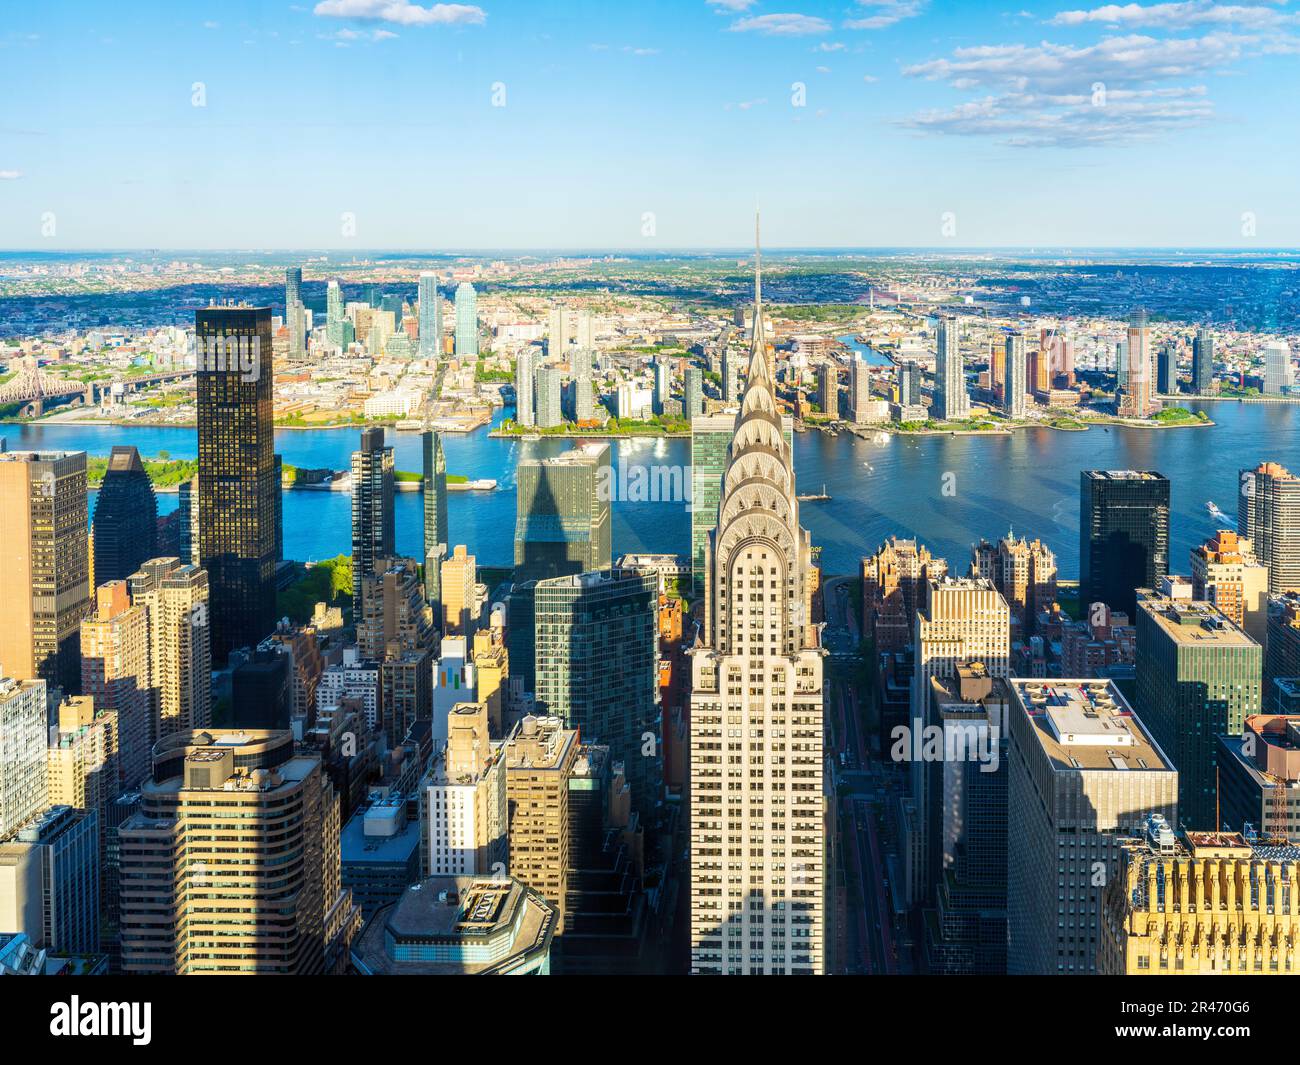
[647,125]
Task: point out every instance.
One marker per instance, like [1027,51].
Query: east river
[947,490]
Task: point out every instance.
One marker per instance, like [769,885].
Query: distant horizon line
[588,251]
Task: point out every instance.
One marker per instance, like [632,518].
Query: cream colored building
[22,752]
[205,887]
[82,757]
[1208,903]
[44,564]
[1226,573]
[757,794]
[540,756]
[1082,772]
[459,603]
[463,816]
[180,653]
[116,671]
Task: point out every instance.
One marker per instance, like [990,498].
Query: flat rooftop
[460,913]
[1087,725]
[1124,475]
[1192,623]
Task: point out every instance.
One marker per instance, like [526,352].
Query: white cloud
[745,105]
[869,78]
[10,175]
[1116,61]
[640,51]
[1032,120]
[830,46]
[402,12]
[732,5]
[885,13]
[787,25]
[1181,15]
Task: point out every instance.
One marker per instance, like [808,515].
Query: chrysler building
[757,805]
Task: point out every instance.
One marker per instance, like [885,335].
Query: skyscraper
[1123,535]
[1226,573]
[757,807]
[1203,362]
[430,319]
[950,397]
[1082,772]
[1278,375]
[1024,571]
[711,436]
[1167,370]
[583,394]
[596,655]
[663,383]
[557,333]
[174,594]
[222,808]
[549,411]
[692,392]
[562,513]
[23,768]
[1013,389]
[1163,914]
[44,565]
[463,809]
[525,367]
[372,507]
[292,286]
[295,317]
[828,389]
[460,611]
[126,517]
[540,757]
[1198,677]
[731,357]
[334,314]
[859,389]
[960,621]
[239,493]
[436,530]
[1136,401]
[1268,514]
[117,672]
[466,321]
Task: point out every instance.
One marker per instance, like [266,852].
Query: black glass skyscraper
[436,535]
[126,518]
[1123,535]
[238,488]
[372,509]
[1202,362]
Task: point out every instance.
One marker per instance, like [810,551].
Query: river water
[947,490]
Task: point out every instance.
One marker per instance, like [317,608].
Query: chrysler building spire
[756,813]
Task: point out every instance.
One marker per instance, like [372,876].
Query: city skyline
[947,128]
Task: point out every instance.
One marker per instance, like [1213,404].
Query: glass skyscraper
[430,320]
[1123,535]
[239,493]
[126,518]
[372,509]
[436,535]
[466,321]
[562,513]
[596,657]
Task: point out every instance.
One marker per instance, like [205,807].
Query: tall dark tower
[238,488]
[436,536]
[372,509]
[1123,536]
[126,518]
[1203,362]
